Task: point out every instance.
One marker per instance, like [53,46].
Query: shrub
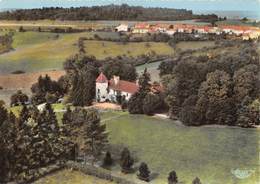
[51,98]
[18,72]
[196,181]
[2,103]
[144,173]
[172,178]
[21,29]
[126,161]
[108,161]
[151,103]
[19,98]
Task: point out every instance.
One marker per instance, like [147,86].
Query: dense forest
[109,12]
[221,89]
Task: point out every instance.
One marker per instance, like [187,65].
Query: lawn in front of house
[211,153]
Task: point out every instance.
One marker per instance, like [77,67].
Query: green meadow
[103,49]
[68,177]
[210,152]
[35,51]
[40,51]
[44,51]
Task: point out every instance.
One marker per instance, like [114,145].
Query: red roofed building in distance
[141,28]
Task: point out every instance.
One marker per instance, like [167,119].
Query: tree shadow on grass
[153,176]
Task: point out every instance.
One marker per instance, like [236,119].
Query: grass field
[71,177]
[211,153]
[36,51]
[102,49]
[39,51]
[194,45]
[207,152]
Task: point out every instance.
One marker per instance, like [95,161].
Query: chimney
[116,80]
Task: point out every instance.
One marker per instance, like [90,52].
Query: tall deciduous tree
[216,90]
[120,68]
[245,82]
[135,104]
[151,103]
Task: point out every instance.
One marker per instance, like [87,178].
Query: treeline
[35,140]
[146,101]
[31,141]
[159,37]
[108,12]
[223,89]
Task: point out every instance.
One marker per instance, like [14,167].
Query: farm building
[122,28]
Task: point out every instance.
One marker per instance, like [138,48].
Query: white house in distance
[107,90]
[122,28]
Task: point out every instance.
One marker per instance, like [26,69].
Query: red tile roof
[125,86]
[142,26]
[238,28]
[101,78]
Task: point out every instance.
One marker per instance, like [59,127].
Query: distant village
[242,32]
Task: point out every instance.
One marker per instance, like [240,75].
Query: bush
[18,72]
[172,178]
[124,104]
[126,161]
[196,181]
[51,98]
[144,173]
[151,103]
[135,104]
[47,90]
[19,98]
[108,161]
[2,103]
[21,29]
